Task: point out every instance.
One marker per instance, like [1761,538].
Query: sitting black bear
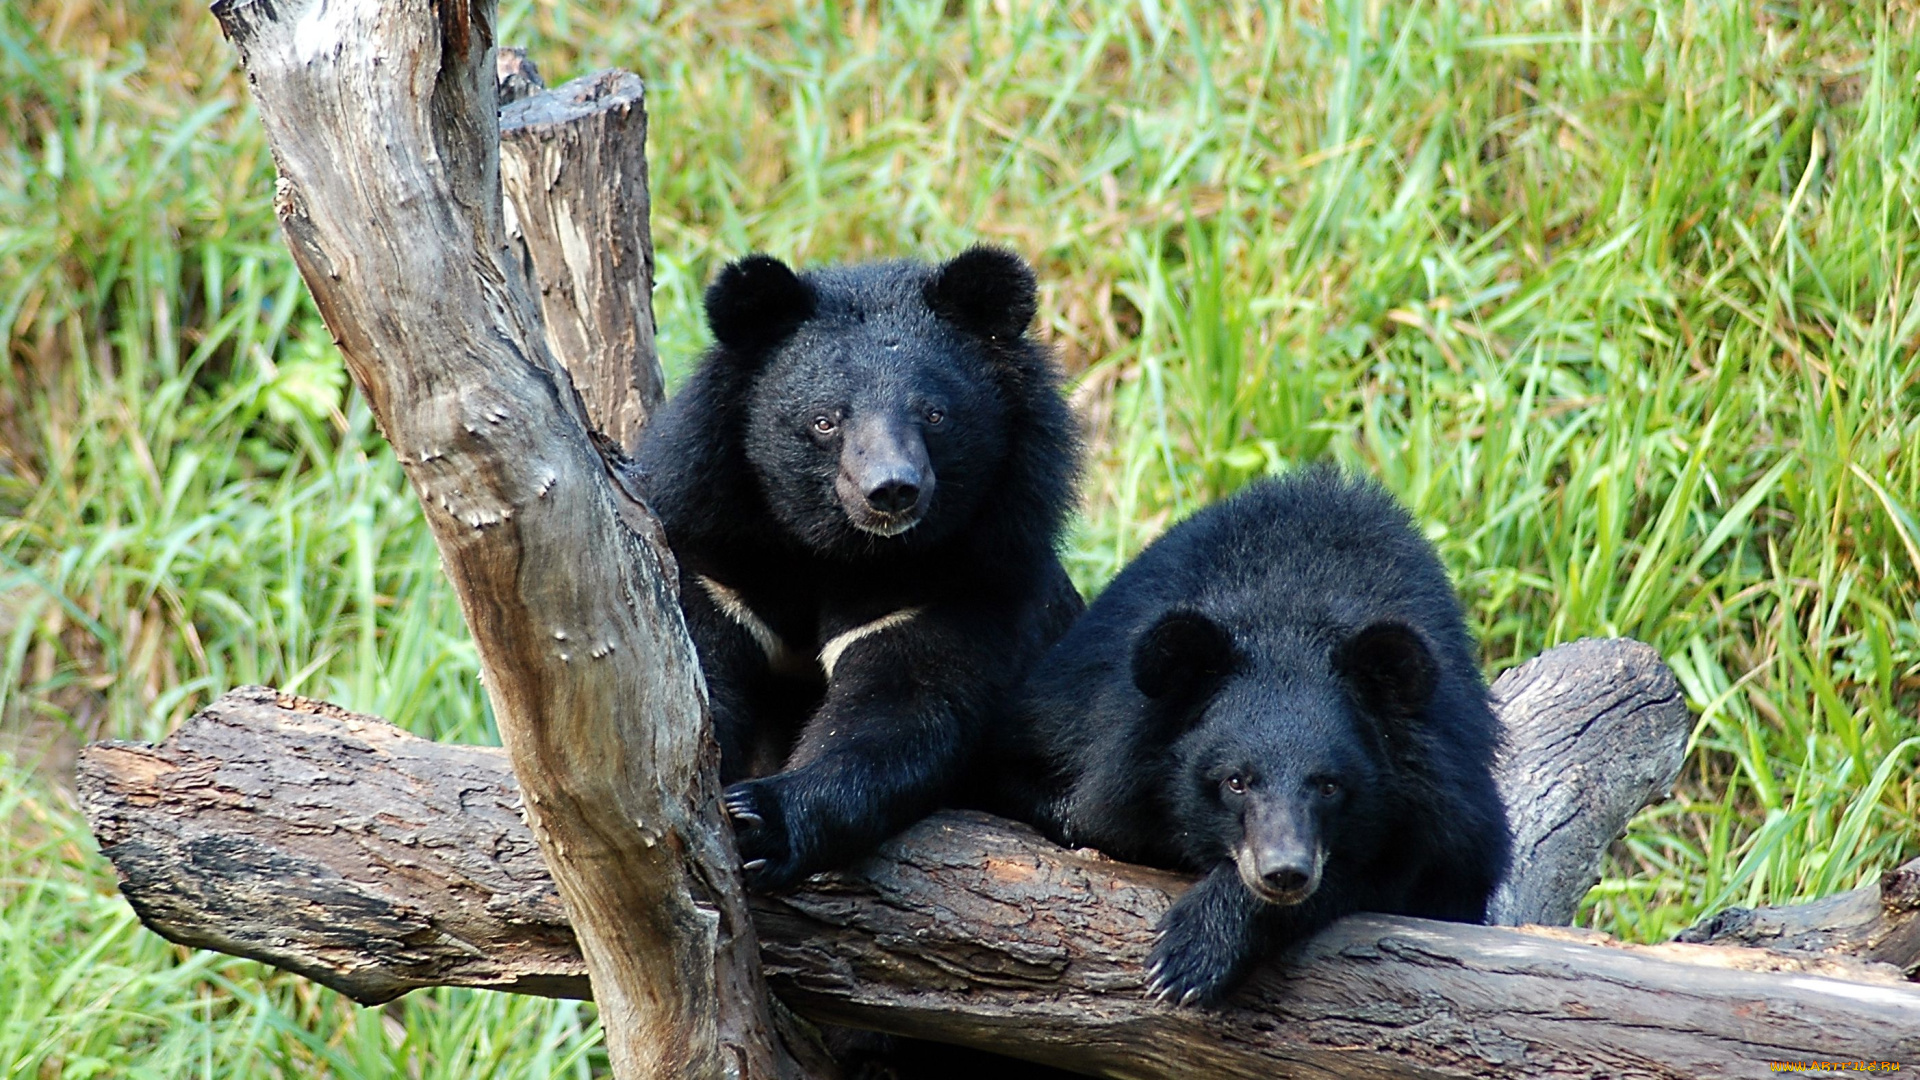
[1280,694]
[864,483]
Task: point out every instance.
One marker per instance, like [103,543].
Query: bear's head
[877,398]
[1284,754]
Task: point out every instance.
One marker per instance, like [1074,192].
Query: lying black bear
[1280,694]
[864,483]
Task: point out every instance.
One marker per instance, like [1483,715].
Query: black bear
[864,482]
[1280,694]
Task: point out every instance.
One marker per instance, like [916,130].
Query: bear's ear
[1182,655]
[756,302]
[988,291]
[1389,668]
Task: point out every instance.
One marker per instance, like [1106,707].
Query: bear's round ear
[986,290]
[1389,668]
[1181,655]
[756,302]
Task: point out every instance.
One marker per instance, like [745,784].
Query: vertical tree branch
[381,116]
[574,164]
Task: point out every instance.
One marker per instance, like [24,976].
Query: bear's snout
[895,495]
[885,479]
[1279,857]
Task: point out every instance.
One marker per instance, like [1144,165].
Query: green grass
[1620,296]
[90,993]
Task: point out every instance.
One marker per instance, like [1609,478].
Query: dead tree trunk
[382,119]
[343,849]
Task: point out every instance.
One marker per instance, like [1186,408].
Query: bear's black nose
[894,496]
[1286,879]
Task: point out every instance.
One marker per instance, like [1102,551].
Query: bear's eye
[825,425]
[1329,787]
[1236,784]
[934,416]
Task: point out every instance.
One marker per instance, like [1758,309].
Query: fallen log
[341,848]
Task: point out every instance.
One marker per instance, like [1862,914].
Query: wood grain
[382,119]
[573,162]
[336,846]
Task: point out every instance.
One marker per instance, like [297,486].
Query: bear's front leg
[905,707]
[1218,930]
[755,705]
[1208,940]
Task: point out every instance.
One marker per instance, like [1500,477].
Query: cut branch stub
[1570,791]
[1879,923]
[574,164]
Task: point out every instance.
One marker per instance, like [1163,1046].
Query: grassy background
[1619,295]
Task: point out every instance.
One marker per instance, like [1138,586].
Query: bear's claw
[1187,965]
[760,832]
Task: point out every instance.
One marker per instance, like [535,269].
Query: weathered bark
[574,165]
[334,845]
[1572,788]
[376,862]
[997,941]
[382,120]
[1878,923]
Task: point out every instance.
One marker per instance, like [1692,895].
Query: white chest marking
[840,643]
[733,607]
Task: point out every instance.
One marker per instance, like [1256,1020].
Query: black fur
[756,302]
[1280,694]
[839,407]
[985,290]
